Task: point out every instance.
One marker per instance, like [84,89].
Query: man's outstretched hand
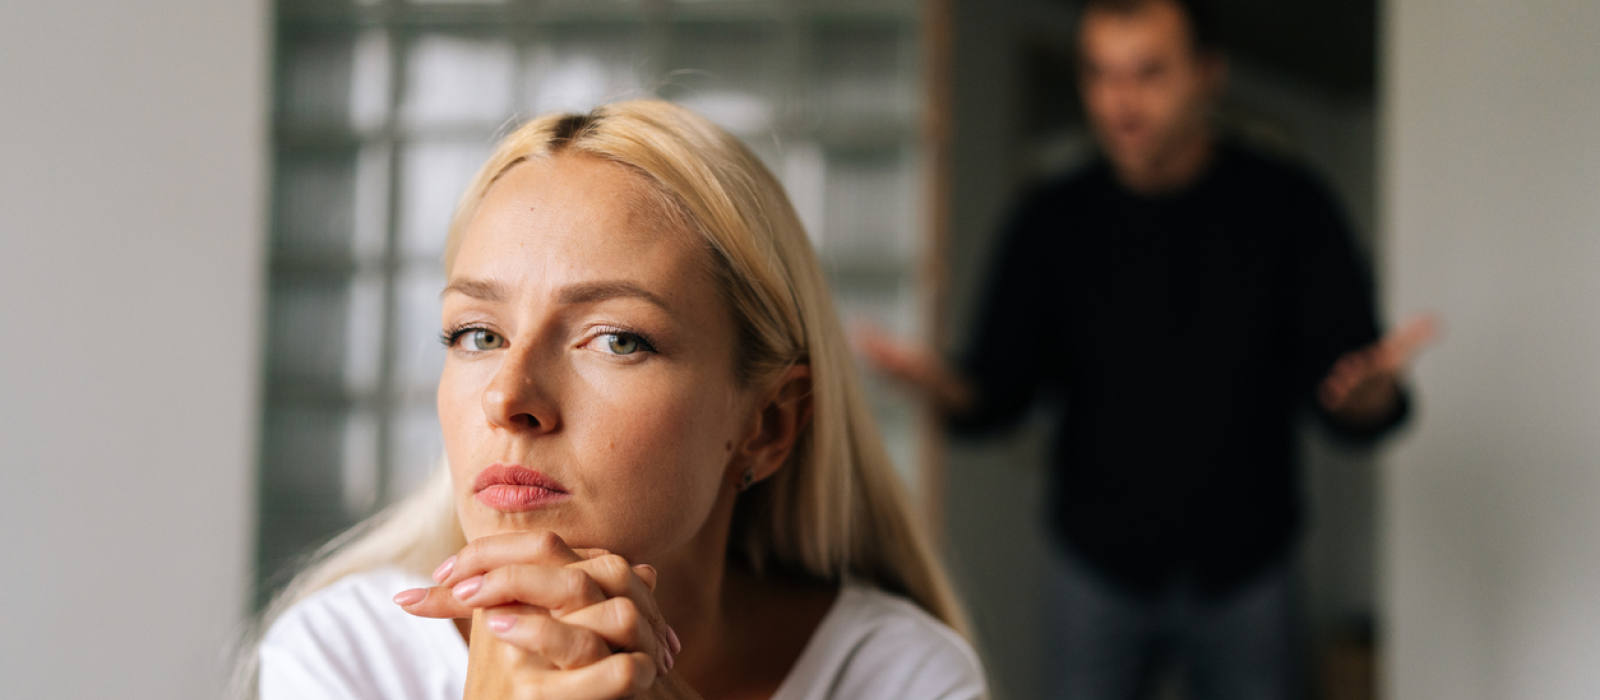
[913,366]
[1363,388]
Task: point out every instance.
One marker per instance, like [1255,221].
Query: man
[1184,298]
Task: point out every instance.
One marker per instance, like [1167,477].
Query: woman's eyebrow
[583,293]
[591,292]
[484,290]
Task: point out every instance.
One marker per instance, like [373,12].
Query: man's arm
[914,367]
[1008,354]
[1353,372]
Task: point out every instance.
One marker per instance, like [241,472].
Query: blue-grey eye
[623,343]
[479,339]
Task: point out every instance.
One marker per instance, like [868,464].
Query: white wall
[132,143]
[1491,183]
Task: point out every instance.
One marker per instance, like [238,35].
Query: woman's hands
[583,623]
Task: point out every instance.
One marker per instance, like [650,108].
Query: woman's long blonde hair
[836,511]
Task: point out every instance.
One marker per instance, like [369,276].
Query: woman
[658,451]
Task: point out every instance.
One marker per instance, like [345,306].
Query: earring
[748,479]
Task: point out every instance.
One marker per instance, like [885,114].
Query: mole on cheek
[729,446]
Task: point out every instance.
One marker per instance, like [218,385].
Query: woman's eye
[622,343]
[478,339]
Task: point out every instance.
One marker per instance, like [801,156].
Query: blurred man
[1184,298]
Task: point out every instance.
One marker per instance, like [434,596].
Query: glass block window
[384,109]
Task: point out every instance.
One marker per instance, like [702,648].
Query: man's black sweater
[1182,334]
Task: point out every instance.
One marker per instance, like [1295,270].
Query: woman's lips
[511,487]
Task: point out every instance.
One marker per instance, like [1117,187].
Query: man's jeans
[1109,644]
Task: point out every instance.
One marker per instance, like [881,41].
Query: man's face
[1144,85]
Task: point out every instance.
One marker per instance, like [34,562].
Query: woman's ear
[779,420]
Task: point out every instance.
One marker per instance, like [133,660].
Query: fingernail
[672,641]
[502,623]
[443,572]
[465,589]
[669,661]
[410,597]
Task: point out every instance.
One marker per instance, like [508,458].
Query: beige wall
[132,142]
[1491,191]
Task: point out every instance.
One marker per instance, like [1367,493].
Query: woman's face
[589,386]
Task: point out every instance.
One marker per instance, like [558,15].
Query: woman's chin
[479,521]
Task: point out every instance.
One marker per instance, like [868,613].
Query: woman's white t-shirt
[349,641]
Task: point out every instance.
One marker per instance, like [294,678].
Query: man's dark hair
[1202,23]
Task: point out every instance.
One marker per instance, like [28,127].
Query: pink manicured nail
[443,572]
[410,597]
[672,641]
[465,589]
[502,623]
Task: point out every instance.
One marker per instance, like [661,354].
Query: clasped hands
[580,623]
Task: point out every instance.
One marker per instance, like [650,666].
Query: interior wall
[130,235]
[994,508]
[1491,185]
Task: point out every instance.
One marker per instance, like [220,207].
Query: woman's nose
[518,399]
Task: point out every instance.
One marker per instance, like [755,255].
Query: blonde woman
[660,463]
